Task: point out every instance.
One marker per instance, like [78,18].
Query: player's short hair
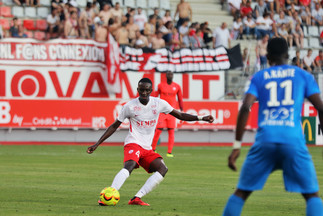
[145,80]
[277,49]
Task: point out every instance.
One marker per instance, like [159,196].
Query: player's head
[277,51]
[169,76]
[144,89]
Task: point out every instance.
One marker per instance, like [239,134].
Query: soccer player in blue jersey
[280,142]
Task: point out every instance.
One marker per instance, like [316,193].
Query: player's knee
[307,196]
[163,170]
[130,165]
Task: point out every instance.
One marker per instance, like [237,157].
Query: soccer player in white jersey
[143,113]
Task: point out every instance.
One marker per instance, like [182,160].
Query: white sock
[150,184]
[120,178]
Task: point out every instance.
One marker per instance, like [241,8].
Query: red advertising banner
[100,114]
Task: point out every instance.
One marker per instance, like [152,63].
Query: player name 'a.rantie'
[279,73]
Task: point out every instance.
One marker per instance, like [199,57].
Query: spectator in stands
[308,61]
[150,27]
[282,32]
[14,29]
[246,60]
[21,2]
[86,21]
[317,15]
[245,8]
[55,3]
[282,19]
[184,11]
[159,21]
[122,35]
[296,19]
[21,32]
[167,31]
[261,51]
[184,31]
[264,26]
[132,27]
[177,41]
[53,22]
[167,17]
[71,27]
[297,60]
[249,27]
[158,42]
[234,7]
[113,25]
[196,41]
[140,40]
[130,13]
[321,38]
[140,19]
[306,16]
[101,32]
[298,36]
[95,7]
[319,61]
[270,5]
[260,9]
[207,33]
[117,12]
[106,14]
[62,18]
[221,36]
[104,2]
[237,28]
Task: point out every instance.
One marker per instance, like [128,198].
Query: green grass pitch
[65,180]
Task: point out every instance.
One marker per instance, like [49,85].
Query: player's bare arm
[315,99]
[189,117]
[111,129]
[241,123]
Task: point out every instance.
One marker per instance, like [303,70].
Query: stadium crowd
[258,21]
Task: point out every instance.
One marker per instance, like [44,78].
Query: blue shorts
[295,161]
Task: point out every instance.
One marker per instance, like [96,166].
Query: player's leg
[171,125]
[123,174]
[171,139]
[314,206]
[153,162]
[158,131]
[236,202]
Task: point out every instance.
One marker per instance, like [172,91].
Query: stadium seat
[18,11]
[42,12]
[82,3]
[313,31]
[153,4]
[29,34]
[8,2]
[41,25]
[141,3]
[5,11]
[305,41]
[29,24]
[291,53]
[305,31]
[321,29]
[314,42]
[130,3]
[30,12]
[303,53]
[39,35]
[164,4]
[120,2]
[150,12]
[5,24]
[46,3]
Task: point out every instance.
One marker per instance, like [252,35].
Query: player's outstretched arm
[188,117]
[111,129]
[315,99]
[241,124]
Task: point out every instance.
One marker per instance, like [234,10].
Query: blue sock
[234,206]
[314,207]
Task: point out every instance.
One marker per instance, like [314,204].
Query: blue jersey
[281,91]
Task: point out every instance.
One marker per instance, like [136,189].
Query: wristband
[200,118]
[236,144]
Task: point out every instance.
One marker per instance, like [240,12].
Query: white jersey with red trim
[143,120]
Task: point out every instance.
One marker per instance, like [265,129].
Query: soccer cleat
[137,201]
[170,155]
